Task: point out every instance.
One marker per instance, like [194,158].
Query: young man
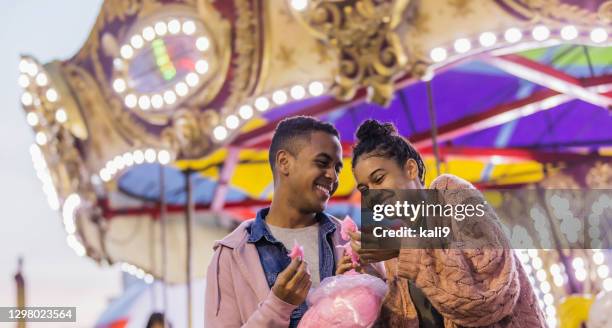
[251,281]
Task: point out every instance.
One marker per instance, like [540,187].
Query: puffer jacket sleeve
[470,286]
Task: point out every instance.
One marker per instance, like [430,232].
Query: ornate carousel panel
[153,138]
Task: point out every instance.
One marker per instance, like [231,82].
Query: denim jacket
[274,259]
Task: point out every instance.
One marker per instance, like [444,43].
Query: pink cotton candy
[345,302]
[296,251]
[347,225]
[348,250]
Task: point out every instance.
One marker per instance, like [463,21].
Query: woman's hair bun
[372,129]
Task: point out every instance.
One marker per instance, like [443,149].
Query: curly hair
[381,139]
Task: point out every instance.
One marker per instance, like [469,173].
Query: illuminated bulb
[181,89]
[174,26]
[558,280]
[118,63]
[138,156]
[581,275]
[27,99]
[513,35]
[316,88]
[149,155]
[118,162]
[149,279]
[551,312]
[192,79]
[532,253]
[189,27]
[32,69]
[119,85]
[161,28]
[137,41]
[232,122]
[487,39]
[541,275]
[148,33]
[51,95]
[170,97]
[462,45]
[545,287]
[126,52]
[540,33]
[297,92]
[24,65]
[262,104]
[603,271]
[23,81]
[299,5]
[41,138]
[598,258]
[554,269]
[163,156]
[246,112]
[32,119]
[61,116]
[220,133]
[607,284]
[599,35]
[130,101]
[548,299]
[201,66]
[438,54]
[105,175]
[144,102]
[157,101]
[537,263]
[202,43]
[128,158]
[569,32]
[41,79]
[578,263]
[279,97]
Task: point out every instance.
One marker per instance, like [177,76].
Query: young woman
[453,287]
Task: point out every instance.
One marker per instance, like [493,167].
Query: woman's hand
[345,264]
[367,256]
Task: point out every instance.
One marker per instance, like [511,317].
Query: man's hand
[293,283]
[367,256]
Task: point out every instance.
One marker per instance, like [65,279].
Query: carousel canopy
[172,103]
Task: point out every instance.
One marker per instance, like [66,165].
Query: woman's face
[377,172]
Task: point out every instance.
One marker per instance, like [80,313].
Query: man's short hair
[290,131]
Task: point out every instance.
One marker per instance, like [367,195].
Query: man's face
[313,173]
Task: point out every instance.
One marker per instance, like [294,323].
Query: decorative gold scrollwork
[605,12]
[599,176]
[188,135]
[369,50]
[556,10]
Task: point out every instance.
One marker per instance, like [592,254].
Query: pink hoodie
[237,294]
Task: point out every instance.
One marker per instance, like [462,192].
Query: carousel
[151,141]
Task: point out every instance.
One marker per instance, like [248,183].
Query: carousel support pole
[588,57]
[153,263]
[189,210]
[434,126]
[162,220]
[20,283]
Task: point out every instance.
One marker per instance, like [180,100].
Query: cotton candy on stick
[347,225]
[297,251]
